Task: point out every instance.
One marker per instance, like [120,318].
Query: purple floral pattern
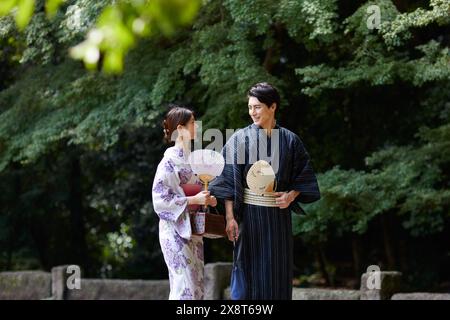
[183,253]
[199,250]
[169,166]
[186,295]
[175,259]
[180,242]
[181,202]
[166,215]
[168,195]
[182,225]
[158,187]
[185,175]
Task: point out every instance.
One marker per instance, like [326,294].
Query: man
[261,225]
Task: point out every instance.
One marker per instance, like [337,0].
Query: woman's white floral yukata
[183,252]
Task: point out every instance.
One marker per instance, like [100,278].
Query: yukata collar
[176,154]
[256,126]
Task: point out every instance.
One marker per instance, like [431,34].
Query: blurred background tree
[80,138]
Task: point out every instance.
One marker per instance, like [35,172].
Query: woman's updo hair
[177,115]
[266,93]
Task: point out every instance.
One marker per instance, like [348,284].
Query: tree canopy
[371,105]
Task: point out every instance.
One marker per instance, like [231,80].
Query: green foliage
[366,93]
[432,66]
[118,26]
[23,10]
[257,13]
[374,61]
[395,32]
[310,19]
[121,23]
[47,40]
[409,181]
[51,7]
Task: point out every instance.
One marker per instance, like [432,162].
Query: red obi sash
[191,189]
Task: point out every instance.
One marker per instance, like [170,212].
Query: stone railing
[35,285]
[53,286]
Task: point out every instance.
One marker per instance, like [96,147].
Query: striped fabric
[266,240]
[266,232]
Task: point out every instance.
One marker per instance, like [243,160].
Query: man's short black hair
[266,93]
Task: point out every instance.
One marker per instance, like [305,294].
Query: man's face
[260,113]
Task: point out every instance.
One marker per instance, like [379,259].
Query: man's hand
[232,229]
[284,199]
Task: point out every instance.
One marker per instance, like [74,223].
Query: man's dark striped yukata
[265,233]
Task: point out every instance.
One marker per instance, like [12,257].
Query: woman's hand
[232,229]
[284,199]
[202,198]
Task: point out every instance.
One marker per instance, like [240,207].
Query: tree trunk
[356,253]
[78,232]
[268,62]
[322,262]
[387,240]
[13,215]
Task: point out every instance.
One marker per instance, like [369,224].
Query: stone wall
[34,285]
[25,285]
[97,289]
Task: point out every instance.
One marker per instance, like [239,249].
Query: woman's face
[189,130]
[260,113]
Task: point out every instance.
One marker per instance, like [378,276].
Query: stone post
[217,278]
[380,285]
[59,282]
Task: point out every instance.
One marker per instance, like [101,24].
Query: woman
[183,252]
[262,224]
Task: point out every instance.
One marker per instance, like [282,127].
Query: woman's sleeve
[168,203]
[304,178]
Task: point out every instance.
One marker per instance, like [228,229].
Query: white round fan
[207,164]
[261,178]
